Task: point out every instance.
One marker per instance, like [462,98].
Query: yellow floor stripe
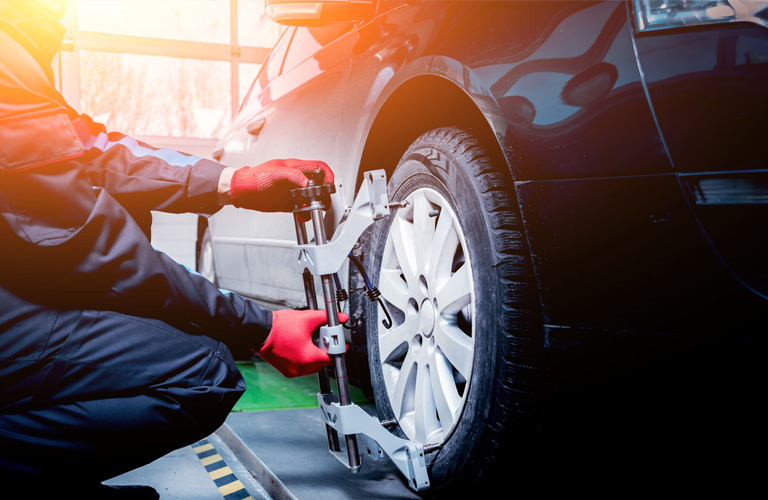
[231,487]
[203,448]
[224,471]
[211,459]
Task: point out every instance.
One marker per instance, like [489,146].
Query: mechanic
[112,354]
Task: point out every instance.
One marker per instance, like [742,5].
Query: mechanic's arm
[66,245]
[144,178]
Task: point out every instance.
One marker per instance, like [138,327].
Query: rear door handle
[254,128]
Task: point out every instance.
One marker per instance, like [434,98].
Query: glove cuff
[240,184]
[273,321]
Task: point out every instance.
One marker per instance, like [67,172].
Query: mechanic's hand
[267,187]
[289,347]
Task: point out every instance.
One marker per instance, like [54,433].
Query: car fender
[391,80]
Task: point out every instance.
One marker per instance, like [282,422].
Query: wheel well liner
[418,105]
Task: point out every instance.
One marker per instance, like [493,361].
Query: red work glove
[289,347]
[267,187]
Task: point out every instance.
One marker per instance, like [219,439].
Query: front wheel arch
[420,104]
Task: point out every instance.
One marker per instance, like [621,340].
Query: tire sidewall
[207,244]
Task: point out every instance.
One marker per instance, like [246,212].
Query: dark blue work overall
[111,353]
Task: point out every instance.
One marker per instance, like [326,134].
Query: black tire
[205,261]
[502,320]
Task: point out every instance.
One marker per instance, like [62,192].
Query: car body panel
[542,137]
[564,147]
[625,254]
[708,89]
[564,99]
[559,94]
[314,83]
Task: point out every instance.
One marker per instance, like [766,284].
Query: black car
[583,243]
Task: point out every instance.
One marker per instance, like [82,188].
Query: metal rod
[309,286]
[329,294]
[317,223]
[323,380]
[309,280]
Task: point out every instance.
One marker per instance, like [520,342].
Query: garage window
[160,69]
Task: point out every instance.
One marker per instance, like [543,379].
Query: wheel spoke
[403,392]
[423,230]
[393,289]
[401,234]
[444,245]
[447,399]
[456,346]
[456,292]
[426,417]
[391,339]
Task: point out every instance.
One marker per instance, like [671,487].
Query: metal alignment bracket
[408,456]
[370,204]
[333,339]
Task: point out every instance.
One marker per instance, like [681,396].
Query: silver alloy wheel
[426,281]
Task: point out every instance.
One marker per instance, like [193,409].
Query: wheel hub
[427,318]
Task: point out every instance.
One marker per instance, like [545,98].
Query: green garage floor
[267,389]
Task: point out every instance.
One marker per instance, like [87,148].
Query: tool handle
[309,291]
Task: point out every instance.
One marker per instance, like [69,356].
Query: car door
[707,82]
[230,228]
[296,115]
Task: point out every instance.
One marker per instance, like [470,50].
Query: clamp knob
[316,191]
[316,178]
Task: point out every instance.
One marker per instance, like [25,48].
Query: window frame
[67,62]
[284,41]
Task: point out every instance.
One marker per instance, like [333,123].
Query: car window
[308,41]
[275,62]
[270,69]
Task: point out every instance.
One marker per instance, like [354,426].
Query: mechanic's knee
[225,374]
[209,401]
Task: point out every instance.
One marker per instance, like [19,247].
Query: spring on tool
[343,296]
[373,293]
